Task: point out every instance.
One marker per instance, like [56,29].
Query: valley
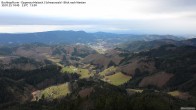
[156,72]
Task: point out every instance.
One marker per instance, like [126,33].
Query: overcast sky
[120,16]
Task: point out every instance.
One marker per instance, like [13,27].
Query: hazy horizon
[179,35]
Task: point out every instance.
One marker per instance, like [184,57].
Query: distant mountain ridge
[71,37]
[137,46]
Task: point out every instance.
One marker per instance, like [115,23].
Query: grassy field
[133,91]
[69,69]
[110,69]
[55,92]
[84,73]
[179,94]
[174,93]
[55,60]
[117,79]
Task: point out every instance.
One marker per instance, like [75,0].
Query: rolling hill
[138,46]
[75,76]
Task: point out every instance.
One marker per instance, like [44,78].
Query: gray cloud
[169,6]
[184,24]
[38,20]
